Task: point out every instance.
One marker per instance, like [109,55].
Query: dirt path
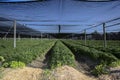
[114,74]
[61,73]
[26,73]
[41,62]
[38,63]
[68,73]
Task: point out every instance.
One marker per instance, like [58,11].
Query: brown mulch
[26,73]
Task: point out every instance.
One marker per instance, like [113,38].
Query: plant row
[96,44]
[104,59]
[61,55]
[90,52]
[26,50]
[99,43]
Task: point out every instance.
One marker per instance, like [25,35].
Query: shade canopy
[72,15]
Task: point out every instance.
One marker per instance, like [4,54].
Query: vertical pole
[59,29]
[85,35]
[104,33]
[14,33]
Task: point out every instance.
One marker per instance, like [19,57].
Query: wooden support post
[85,35]
[14,33]
[59,27]
[104,34]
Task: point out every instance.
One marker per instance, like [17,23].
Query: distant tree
[96,35]
[113,36]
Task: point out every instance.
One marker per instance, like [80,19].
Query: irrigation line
[112,25]
[115,30]
[104,22]
[112,20]
[93,26]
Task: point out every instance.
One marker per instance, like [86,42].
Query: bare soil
[69,73]
[61,73]
[26,73]
[114,74]
[36,69]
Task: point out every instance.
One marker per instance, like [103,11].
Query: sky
[72,15]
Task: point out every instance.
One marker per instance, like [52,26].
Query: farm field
[113,46]
[99,43]
[26,50]
[59,39]
[47,58]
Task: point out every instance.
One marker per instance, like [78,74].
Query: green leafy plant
[26,50]
[90,52]
[60,56]
[100,69]
[5,65]
[115,63]
[47,75]
[2,59]
[17,64]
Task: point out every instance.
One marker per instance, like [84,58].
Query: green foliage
[115,63]
[26,50]
[5,65]
[47,75]
[17,64]
[113,46]
[60,56]
[115,51]
[90,52]
[104,57]
[2,59]
[100,69]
